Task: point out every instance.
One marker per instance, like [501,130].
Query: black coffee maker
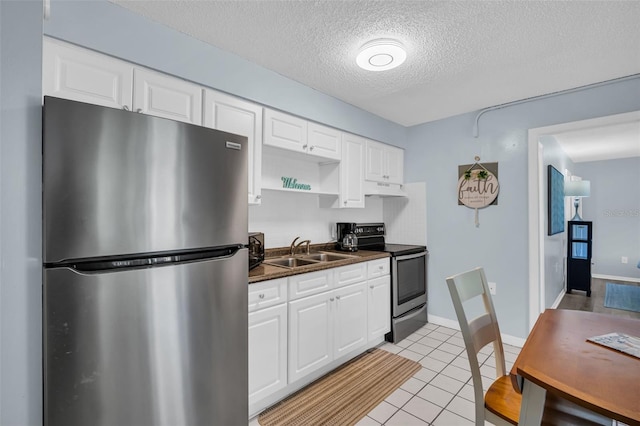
[346,236]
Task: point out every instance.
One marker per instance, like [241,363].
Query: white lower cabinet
[329,317]
[267,351]
[349,319]
[267,338]
[310,334]
[324,327]
[379,305]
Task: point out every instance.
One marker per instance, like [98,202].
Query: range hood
[383,189]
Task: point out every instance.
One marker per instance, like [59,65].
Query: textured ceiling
[462,55]
[602,142]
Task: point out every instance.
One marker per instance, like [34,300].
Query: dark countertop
[265,272]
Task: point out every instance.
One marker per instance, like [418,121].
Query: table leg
[533,398]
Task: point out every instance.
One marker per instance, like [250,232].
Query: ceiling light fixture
[381,55]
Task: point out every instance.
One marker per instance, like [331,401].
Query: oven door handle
[411,256]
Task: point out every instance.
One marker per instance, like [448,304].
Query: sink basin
[310,259]
[289,262]
[327,257]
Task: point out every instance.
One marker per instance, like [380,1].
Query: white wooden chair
[501,403]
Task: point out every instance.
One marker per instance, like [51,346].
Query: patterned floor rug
[345,395]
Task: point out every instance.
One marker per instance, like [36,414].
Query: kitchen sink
[309,259]
[289,262]
[327,257]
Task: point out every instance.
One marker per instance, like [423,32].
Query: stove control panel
[370,230]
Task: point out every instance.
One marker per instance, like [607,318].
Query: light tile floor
[441,394]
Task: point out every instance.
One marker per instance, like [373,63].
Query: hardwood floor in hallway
[579,301]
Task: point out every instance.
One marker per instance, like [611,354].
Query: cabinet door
[375,161]
[71,72]
[285,131]
[350,319]
[394,169]
[352,172]
[379,307]
[233,115]
[165,96]
[267,351]
[310,334]
[324,141]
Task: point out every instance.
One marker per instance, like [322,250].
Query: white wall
[20,213]
[555,246]
[614,209]
[500,244]
[406,217]
[284,216]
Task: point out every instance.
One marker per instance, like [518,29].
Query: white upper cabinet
[233,115]
[165,96]
[78,74]
[295,134]
[384,163]
[323,141]
[285,131]
[352,172]
[395,164]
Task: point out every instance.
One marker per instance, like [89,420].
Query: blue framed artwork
[555,202]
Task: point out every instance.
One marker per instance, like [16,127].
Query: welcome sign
[292,183]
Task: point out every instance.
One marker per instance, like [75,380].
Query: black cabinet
[579,257]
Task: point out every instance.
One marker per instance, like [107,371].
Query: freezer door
[118,182]
[157,346]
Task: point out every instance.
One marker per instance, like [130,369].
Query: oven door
[409,282]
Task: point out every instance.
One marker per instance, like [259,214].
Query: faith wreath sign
[479,189]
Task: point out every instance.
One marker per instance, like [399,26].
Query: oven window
[411,278]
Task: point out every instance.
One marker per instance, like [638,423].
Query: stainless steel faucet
[294,246]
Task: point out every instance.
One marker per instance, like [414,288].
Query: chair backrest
[478,332]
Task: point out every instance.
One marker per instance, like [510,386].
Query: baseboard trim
[445,322]
[613,277]
[558,300]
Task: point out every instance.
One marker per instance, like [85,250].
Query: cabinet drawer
[311,283]
[267,293]
[350,274]
[378,268]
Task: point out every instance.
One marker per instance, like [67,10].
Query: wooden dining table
[557,358]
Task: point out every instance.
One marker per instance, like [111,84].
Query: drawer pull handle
[371,287]
[261,296]
[331,299]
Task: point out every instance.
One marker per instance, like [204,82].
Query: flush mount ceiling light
[381,55]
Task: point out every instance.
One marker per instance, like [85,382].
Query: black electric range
[371,236]
[408,279]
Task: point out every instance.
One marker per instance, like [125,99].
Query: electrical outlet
[624,259]
[492,288]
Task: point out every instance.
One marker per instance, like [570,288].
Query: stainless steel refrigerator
[145,270]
